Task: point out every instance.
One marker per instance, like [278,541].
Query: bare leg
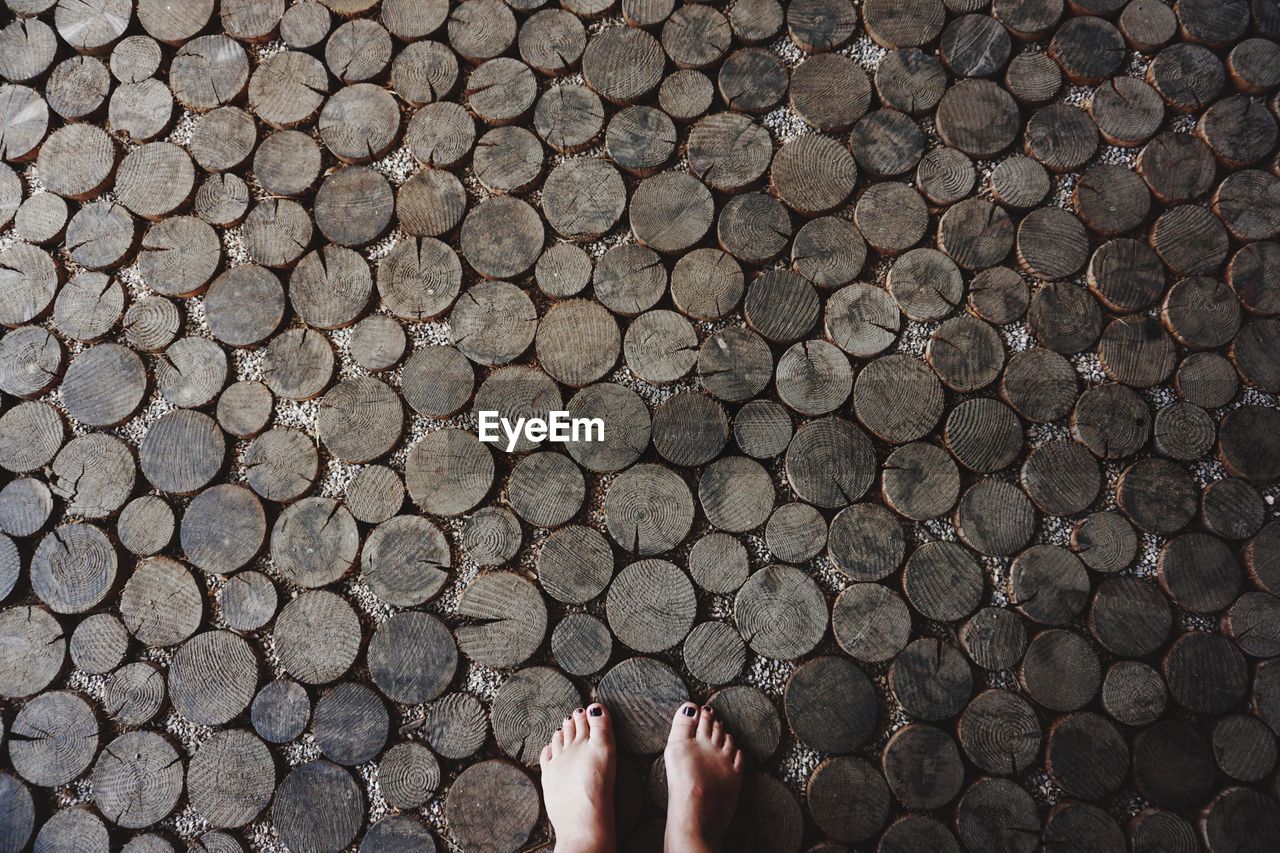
[577,782]
[704,775]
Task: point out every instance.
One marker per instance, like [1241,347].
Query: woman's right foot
[704,775]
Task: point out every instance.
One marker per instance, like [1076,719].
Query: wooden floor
[936,345]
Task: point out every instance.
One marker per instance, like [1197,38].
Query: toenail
[690,711]
[597,712]
[577,710]
[708,709]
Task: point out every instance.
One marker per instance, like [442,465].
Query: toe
[685,722]
[706,719]
[717,734]
[570,729]
[545,756]
[598,721]
[737,761]
[580,724]
[557,742]
[729,747]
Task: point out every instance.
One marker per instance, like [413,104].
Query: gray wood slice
[280,711]
[38,650]
[408,775]
[528,708]
[642,695]
[648,509]
[581,644]
[53,738]
[350,724]
[213,677]
[73,568]
[650,605]
[512,619]
[137,779]
[780,612]
[231,778]
[831,705]
[161,604]
[870,622]
[714,653]
[248,601]
[412,657]
[299,822]
[317,637]
[492,804]
[134,693]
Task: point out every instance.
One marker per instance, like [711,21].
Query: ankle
[584,840]
[687,839]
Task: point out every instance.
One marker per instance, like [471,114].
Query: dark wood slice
[1176,166]
[73,568]
[886,143]
[101,236]
[1129,616]
[640,140]
[812,174]
[1190,240]
[908,833]
[642,695]
[288,89]
[897,398]
[628,280]
[1206,379]
[1086,755]
[762,429]
[437,381]
[565,191]
[1033,78]
[491,535]
[998,814]
[230,778]
[408,775]
[419,279]
[623,64]
[1244,747]
[546,489]
[511,620]
[317,637]
[350,724]
[314,542]
[1246,203]
[977,117]
[581,644]
[966,353]
[502,237]
[930,679]
[660,346]
[53,738]
[943,581]
[1173,764]
[781,305]
[145,525]
[975,234]
[814,377]
[32,358]
[736,494]
[816,82]
[1075,823]
[866,542]
[360,419]
[377,342]
[686,95]
[998,295]
[995,518]
[222,200]
[1105,541]
[817,26]
[1240,130]
[1262,558]
[714,653]
[926,284]
[1111,199]
[1028,21]
[1250,352]
[827,251]
[25,507]
[1147,26]
[718,563]
[648,509]
[1088,48]
[551,41]
[518,392]
[353,206]
[569,118]
[137,779]
[1133,693]
[1187,76]
[1240,817]
[1000,733]
[1126,110]
[287,162]
[912,25]
[1137,351]
[492,804]
[975,46]
[831,705]
[1111,420]
[650,605]
[563,270]
[301,823]
[281,711]
[1060,670]
[848,799]
[1232,509]
[1019,182]
[670,212]
[30,435]
[493,323]
[507,159]
[906,79]
[528,708]
[1049,584]
[994,638]
[1183,432]
[248,601]
[780,612]
[891,216]
[830,462]
[1251,65]
[94,474]
[689,429]
[282,464]
[1206,673]
[870,622]
[696,37]
[1126,275]
[41,219]
[213,678]
[734,364]
[223,528]
[134,693]
[297,365]
[277,232]
[752,80]
[359,123]
[923,766]
[862,319]
[1154,829]
[796,532]
[753,228]
[1157,495]
[38,651]
[770,818]
[750,716]
[1051,244]
[628,435]
[440,134]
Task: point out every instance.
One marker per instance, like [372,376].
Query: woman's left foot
[577,782]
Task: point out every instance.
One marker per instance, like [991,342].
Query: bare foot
[577,782]
[704,775]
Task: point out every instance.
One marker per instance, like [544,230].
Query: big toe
[685,723]
[598,722]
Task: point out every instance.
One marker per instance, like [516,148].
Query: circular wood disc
[780,612]
[581,644]
[648,509]
[922,766]
[1000,733]
[870,622]
[1060,670]
[830,462]
[213,678]
[412,657]
[831,705]
[511,620]
[642,695]
[528,708]
[294,813]
[492,804]
[137,779]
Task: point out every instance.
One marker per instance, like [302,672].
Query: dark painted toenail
[690,711]
[597,712]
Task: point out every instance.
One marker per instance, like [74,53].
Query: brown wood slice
[870,622]
[999,732]
[780,612]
